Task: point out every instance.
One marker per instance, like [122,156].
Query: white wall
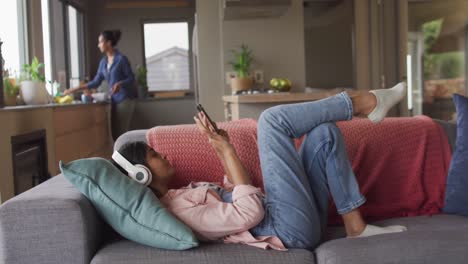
[211,86]
[277,44]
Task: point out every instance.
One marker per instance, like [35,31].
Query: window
[75,45]
[167,56]
[12,29]
[437,48]
[46,40]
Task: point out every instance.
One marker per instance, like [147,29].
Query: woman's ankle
[354,223]
[363,104]
[354,230]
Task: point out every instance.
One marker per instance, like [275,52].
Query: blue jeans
[298,183]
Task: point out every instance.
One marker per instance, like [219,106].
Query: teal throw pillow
[129,207]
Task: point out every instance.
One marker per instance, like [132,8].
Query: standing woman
[115,68]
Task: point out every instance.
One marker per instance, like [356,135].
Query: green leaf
[242,60]
[32,70]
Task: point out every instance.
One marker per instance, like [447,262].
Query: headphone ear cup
[143,175]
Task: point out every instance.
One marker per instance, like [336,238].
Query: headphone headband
[137,172]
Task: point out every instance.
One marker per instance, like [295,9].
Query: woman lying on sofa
[293,211]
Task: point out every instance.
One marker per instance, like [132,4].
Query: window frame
[51,43]
[23,38]
[81,40]
[190,23]
[23,31]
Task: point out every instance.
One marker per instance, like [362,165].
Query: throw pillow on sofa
[456,197]
[129,207]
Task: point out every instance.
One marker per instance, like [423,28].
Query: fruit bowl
[280,84]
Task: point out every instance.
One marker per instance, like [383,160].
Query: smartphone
[201,109]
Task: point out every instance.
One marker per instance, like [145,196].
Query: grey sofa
[54,223]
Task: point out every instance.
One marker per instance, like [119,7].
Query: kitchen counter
[51,105]
[281,97]
[73,131]
[251,105]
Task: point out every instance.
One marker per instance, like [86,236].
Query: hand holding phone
[213,124]
[218,138]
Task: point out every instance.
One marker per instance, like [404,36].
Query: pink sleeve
[220,219]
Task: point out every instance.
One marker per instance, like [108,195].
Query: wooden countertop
[282,97]
[50,105]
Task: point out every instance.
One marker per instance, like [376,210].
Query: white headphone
[137,172]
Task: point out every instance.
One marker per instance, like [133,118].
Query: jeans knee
[323,132]
[329,128]
[267,117]
[326,136]
[264,116]
[306,235]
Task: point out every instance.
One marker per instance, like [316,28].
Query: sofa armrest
[50,223]
[450,129]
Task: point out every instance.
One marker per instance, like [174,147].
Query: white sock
[372,230]
[386,99]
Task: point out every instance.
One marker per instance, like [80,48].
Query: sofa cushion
[429,239]
[120,251]
[50,223]
[129,207]
[456,199]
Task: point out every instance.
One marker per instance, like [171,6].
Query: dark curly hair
[112,35]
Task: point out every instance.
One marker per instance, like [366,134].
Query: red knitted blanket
[195,160]
[401,164]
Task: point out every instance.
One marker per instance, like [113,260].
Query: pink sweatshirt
[212,219]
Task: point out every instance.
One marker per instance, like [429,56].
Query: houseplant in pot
[10,89]
[142,85]
[242,60]
[33,89]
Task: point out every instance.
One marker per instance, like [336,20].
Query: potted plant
[10,89]
[142,85]
[241,64]
[33,89]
